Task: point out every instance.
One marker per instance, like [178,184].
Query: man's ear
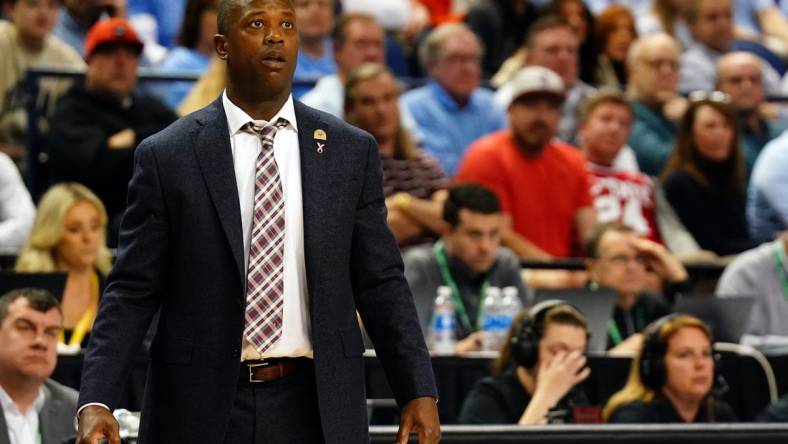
[220,44]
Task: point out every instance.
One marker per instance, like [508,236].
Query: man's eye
[287,25]
[257,23]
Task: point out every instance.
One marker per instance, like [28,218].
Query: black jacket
[78,151]
[661,411]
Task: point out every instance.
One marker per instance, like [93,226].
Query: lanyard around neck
[459,307]
[779,265]
[615,333]
[85,322]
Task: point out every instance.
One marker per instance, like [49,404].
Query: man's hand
[97,423]
[629,347]
[420,415]
[674,107]
[473,342]
[122,140]
[659,259]
[559,375]
[554,380]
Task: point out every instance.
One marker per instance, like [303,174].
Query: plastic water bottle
[442,336]
[492,323]
[511,304]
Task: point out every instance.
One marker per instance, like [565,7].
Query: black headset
[524,346]
[652,358]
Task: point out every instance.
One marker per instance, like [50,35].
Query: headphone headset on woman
[652,358]
[524,346]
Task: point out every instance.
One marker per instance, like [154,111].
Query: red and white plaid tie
[265,276]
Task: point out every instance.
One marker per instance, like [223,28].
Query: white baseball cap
[531,80]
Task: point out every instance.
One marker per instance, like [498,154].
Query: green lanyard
[615,334]
[459,307]
[779,264]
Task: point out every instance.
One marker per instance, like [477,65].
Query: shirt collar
[238,118]
[8,404]
[443,97]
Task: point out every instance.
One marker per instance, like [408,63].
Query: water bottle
[492,322]
[511,304]
[442,336]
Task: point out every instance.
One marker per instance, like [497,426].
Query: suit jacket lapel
[313,186]
[211,143]
[50,411]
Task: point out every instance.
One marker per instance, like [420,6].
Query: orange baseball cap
[113,31]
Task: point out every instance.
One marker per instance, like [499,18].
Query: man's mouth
[274,61]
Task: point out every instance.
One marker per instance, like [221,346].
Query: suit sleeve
[134,286]
[381,293]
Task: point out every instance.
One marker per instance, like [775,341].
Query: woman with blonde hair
[672,377]
[68,236]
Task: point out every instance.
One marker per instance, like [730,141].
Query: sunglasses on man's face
[709,96]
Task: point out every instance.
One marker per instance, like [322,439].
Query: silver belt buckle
[251,373]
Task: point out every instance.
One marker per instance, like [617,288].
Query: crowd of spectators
[634,134]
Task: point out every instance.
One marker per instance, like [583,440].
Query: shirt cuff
[79,410]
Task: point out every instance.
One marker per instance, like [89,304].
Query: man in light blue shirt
[77,17]
[316,54]
[357,39]
[711,23]
[767,206]
[452,111]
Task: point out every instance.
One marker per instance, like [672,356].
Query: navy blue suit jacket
[181,250]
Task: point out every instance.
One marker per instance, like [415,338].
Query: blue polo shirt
[311,69]
[448,129]
[652,138]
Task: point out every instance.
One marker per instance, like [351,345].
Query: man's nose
[273,36]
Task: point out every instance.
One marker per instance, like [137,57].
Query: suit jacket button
[236,354]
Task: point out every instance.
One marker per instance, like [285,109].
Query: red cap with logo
[114,31]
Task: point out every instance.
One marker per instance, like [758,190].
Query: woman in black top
[704,176]
[672,377]
[536,374]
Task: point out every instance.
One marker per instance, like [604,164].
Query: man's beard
[537,136]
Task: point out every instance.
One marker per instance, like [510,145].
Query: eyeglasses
[709,96]
[622,259]
[672,64]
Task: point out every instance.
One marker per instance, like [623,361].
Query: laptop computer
[55,283]
[727,317]
[596,305]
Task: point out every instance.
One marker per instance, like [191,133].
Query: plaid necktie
[264,279]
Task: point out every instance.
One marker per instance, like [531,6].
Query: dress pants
[283,411]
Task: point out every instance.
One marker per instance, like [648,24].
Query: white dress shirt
[16,208]
[22,428]
[295,339]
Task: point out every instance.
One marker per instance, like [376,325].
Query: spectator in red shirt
[541,182]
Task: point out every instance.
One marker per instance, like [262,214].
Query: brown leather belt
[270,369]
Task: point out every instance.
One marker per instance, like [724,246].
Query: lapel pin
[319,134]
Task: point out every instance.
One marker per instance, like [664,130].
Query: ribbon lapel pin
[318,135]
